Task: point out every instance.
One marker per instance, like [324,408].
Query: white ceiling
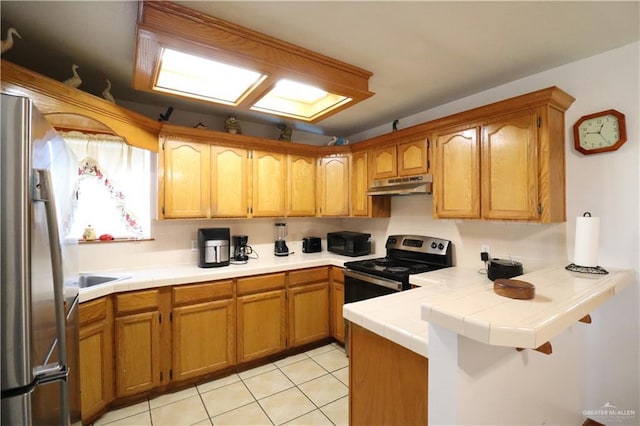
[421,54]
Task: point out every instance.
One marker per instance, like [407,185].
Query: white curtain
[113,186]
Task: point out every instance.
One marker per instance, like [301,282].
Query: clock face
[600,132]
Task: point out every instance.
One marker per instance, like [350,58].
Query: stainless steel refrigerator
[38,270]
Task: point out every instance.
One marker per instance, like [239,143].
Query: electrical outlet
[194,245]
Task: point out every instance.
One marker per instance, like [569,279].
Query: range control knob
[434,245]
[441,246]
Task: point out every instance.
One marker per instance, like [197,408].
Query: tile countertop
[158,276]
[463,301]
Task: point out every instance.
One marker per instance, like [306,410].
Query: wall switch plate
[194,245]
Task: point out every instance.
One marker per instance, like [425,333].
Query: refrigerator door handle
[50,373]
[43,192]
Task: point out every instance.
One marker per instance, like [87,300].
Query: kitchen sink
[89,280]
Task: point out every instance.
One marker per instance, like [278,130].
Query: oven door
[361,286]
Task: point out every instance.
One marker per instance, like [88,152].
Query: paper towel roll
[587,236]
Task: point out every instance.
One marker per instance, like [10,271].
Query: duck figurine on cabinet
[74,80]
[8,42]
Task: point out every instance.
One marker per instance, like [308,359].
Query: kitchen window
[113,193]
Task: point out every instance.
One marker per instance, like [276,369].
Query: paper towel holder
[598,270]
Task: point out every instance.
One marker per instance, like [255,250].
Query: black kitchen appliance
[241,249]
[311,244]
[280,248]
[213,247]
[406,255]
[503,268]
[349,243]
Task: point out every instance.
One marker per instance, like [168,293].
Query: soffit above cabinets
[165,25]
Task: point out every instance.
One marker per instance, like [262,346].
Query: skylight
[298,100]
[187,53]
[189,75]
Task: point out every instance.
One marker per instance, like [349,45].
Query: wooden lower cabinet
[262,316]
[203,334]
[138,353]
[337,300]
[96,357]
[308,300]
[137,342]
[387,382]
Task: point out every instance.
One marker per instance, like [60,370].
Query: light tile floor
[310,388]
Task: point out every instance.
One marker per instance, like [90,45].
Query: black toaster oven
[349,243]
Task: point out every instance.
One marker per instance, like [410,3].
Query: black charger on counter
[503,268]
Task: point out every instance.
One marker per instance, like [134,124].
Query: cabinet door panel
[203,338]
[456,187]
[308,313]
[96,368]
[269,171]
[510,168]
[359,185]
[229,182]
[412,158]
[337,301]
[186,179]
[261,325]
[385,163]
[301,185]
[334,186]
[137,353]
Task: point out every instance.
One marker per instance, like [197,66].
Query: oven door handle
[372,279]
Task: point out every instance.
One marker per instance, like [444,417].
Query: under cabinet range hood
[405,185]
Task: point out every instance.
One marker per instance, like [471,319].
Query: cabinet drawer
[93,311]
[137,301]
[202,292]
[310,275]
[260,283]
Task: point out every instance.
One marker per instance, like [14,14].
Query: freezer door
[15,241]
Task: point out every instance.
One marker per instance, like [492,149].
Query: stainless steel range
[406,255]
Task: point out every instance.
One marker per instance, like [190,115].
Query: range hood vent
[406,185]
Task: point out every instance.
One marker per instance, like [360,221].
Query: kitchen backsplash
[532,244]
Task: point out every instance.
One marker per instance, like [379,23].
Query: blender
[281,248]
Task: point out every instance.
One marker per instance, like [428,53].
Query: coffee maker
[281,248]
[240,249]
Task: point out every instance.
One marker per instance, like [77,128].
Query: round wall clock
[600,132]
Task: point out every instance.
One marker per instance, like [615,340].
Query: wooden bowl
[514,289]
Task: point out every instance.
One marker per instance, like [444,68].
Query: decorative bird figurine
[166,115]
[75,80]
[395,125]
[106,93]
[8,43]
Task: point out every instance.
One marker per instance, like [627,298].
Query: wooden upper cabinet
[334,186]
[359,185]
[186,179]
[301,184]
[510,167]
[229,182]
[456,186]
[412,157]
[384,162]
[269,177]
[401,159]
